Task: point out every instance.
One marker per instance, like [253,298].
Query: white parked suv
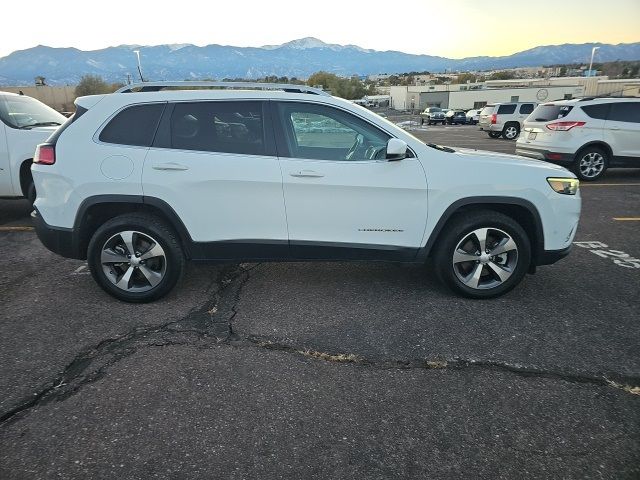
[587,135]
[140,182]
[504,119]
[24,123]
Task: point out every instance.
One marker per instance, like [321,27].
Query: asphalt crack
[211,324]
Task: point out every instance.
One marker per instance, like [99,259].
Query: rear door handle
[170,166]
[307,173]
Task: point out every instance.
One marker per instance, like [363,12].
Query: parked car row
[450,116]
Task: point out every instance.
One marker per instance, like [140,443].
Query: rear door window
[506,109]
[225,127]
[135,125]
[625,112]
[548,112]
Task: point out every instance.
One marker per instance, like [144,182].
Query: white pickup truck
[24,123]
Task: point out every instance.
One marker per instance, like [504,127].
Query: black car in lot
[455,117]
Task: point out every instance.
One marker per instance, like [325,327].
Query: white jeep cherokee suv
[587,135]
[140,182]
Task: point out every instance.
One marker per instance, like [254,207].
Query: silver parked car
[505,119]
[432,115]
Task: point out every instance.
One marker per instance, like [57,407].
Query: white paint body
[17,146]
[221,196]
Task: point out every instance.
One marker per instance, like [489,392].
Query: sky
[450,28]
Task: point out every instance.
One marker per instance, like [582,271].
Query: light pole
[137,52]
[593,52]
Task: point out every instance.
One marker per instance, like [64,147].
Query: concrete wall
[466,99]
[58,98]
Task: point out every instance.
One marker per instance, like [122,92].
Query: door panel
[220,196]
[6,187]
[349,206]
[622,129]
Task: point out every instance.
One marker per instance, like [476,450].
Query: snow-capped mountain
[298,58]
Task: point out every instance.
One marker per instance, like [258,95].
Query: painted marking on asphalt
[627,219]
[16,229]
[619,257]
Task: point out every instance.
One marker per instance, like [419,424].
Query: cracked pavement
[302,370]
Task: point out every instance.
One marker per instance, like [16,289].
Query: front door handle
[307,173]
[170,166]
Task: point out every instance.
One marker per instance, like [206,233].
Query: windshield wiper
[441,147]
[39,124]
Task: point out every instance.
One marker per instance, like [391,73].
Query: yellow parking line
[16,229]
[608,184]
[627,219]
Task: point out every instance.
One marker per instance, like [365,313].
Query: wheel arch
[522,211]
[25,175]
[596,143]
[96,210]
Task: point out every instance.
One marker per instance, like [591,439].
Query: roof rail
[157,86]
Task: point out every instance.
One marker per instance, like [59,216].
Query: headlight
[566,186]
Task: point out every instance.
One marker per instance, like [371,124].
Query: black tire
[581,168]
[460,228]
[173,261]
[511,131]
[494,134]
[422,121]
[31,192]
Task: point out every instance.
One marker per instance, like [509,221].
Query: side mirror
[396,149]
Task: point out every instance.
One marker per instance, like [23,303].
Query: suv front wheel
[482,254]
[135,258]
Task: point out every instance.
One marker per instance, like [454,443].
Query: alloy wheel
[591,165]
[485,258]
[133,261]
[511,132]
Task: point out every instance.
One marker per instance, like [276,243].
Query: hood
[497,159]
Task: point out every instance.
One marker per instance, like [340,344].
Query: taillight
[494,118]
[45,155]
[564,126]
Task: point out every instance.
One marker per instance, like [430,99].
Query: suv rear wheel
[511,131]
[136,258]
[482,254]
[591,163]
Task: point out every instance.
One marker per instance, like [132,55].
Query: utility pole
[137,52]
[593,52]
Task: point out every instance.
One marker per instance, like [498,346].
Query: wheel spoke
[152,277]
[127,238]
[481,236]
[499,271]
[506,245]
[111,256]
[155,251]
[124,281]
[473,279]
[460,256]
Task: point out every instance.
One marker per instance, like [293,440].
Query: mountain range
[298,58]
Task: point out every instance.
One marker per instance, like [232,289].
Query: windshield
[26,112]
[433,109]
[545,113]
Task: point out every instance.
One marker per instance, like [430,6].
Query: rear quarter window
[526,108]
[600,111]
[135,125]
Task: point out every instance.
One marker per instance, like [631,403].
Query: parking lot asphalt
[345,370]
